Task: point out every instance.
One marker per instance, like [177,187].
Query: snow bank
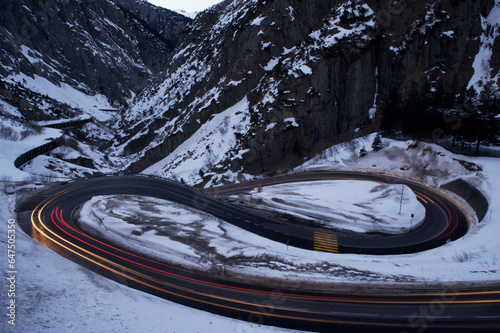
[12,147]
[424,162]
[358,206]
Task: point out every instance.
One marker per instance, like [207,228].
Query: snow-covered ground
[14,144]
[471,258]
[177,234]
[419,161]
[352,205]
[90,105]
[81,301]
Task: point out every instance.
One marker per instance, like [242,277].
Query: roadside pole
[401,201]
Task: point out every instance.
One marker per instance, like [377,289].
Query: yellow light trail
[292,296]
[133,276]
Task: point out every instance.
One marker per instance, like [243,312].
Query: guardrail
[43,149]
[471,194]
[40,150]
[70,124]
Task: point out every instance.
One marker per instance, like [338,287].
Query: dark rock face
[431,42]
[96,46]
[168,23]
[312,72]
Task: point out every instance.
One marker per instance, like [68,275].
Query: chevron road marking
[325,242]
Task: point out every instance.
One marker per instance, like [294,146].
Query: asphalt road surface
[47,218]
[444,222]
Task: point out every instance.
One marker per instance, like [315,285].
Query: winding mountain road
[47,218]
[444,221]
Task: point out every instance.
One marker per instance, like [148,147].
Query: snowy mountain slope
[217,139]
[313,74]
[486,63]
[98,48]
[205,78]
[73,59]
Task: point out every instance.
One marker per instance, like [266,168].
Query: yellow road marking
[325,242]
[424,198]
[421,198]
[321,239]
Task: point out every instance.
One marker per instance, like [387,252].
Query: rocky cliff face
[429,43]
[167,23]
[97,47]
[310,73]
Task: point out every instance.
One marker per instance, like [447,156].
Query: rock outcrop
[168,23]
[98,47]
[313,73]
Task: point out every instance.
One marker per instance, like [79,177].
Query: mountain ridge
[313,73]
[99,47]
[299,76]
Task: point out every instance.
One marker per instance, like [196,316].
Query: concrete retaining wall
[472,195]
[31,154]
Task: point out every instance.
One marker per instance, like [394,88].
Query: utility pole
[401,201]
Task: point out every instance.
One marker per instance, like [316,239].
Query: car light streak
[244,310]
[51,229]
[450,218]
[295,296]
[454,227]
[420,197]
[147,284]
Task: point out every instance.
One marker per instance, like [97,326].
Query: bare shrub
[5,179]
[464,256]
[32,129]
[7,133]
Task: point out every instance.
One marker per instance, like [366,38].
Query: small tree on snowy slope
[488,109]
[377,143]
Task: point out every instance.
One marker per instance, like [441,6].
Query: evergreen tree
[391,112]
[413,113]
[480,114]
[488,111]
[468,102]
[377,143]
